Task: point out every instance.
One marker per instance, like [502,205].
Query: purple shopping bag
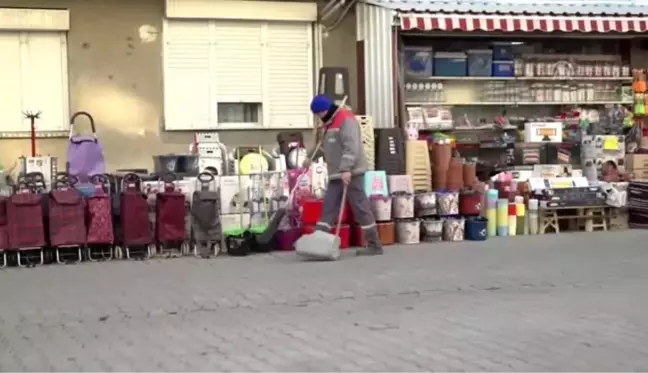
[85,156]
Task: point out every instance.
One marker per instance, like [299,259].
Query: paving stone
[568,302]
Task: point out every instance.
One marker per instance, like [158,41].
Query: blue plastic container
[450,64]
[476,229]
[480,62]
[418,62]
[504,69]
[503,52]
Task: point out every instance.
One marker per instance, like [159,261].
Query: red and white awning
[521,23]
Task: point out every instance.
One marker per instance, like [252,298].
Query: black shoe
[369,251]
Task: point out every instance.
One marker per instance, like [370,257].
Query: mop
[321,245]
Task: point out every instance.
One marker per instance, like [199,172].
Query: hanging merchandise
[432,229]
[403,205]
[453,229]
[205,216]
[368,140]
[319,180]
[85,155]
[448,203]
[381,207]
[390,151]
[134,216]
[100,237]
[425,204]
[45,165]
[170,217]
[183,165]
[418,164]
[234,196]
[67,212]
[476,229]
[211,158]
[375,183]
[291,145]
[253,163]
[25,215]
[408,231]
[639,89]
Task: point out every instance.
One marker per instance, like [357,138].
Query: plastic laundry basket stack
[390,154]
[418,164]
[367,132]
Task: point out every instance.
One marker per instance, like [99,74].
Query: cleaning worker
[347,164]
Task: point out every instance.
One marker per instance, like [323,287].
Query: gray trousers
[360,206]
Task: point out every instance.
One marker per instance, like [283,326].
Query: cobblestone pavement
[570,302]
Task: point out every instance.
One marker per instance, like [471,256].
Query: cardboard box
[636,161]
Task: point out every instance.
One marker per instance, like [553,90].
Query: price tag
[611,143]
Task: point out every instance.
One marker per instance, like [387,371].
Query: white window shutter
[187,89]
[11,92]
[289,74]
[238,74]
[44,67]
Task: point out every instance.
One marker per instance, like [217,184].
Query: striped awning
[522,23]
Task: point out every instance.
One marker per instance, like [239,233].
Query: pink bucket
[286,239]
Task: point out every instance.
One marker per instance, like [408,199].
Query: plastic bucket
[476,229]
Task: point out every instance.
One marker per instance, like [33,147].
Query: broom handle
[342,203]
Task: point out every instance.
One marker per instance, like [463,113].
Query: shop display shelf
[530,78]
[518,103]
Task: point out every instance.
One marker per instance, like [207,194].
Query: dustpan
[322,245]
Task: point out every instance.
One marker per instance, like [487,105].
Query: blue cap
[320,103]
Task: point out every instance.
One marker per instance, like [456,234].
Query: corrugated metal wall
[375,28]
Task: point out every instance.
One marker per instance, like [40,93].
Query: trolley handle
[131,180]
[37,179]
[206,177]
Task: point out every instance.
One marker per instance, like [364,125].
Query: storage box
[636,161]
[480,62]
[450,64]
[546,132]
[504,68]
[503,52]
[419,61]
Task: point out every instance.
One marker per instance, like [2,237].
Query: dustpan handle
[341,213]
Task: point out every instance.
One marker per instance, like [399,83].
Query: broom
[277,216]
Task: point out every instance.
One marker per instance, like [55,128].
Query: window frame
[315,35]
[25,21]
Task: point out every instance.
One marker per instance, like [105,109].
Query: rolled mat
[512,225]
[502,217]
[491,215]
[533,204]
[520,209]
[520,225]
